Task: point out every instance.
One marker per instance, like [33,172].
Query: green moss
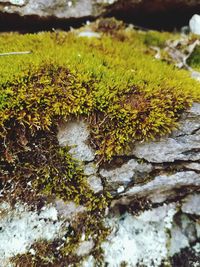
[194,59]
[112,82]
[153,38]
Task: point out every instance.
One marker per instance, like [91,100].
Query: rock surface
[183,145]
[20,228]
[79,9]
[75,135]
[154,213]
[195,24]
[149,239]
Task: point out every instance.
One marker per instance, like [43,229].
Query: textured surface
[88,8]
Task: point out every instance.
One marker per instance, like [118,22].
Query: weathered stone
[80,9]
[193,166]
[170,149]
[183,144]
[75,135]
[189,122]
[89,34]
[128,172]
[178,240]
[161,187]
[139,240]
[95,183]
[191,204]
[20,228]
[84,248]
[68,210]
[195,24]
[90,168]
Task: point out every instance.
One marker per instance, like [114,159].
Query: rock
[84,248]
[191,204]
[139,240]
[82,9]
[195,24]
[183,233]
[170,149]
[162,187]
[88,262]
[95,183]
[93,179]
[193,166]
[128,172]
[20,228]
[75,135]
[150,238]
[178,241]
[90,168]
[183,144]
[189,256]
[68,210]
[89,34]
[189,122]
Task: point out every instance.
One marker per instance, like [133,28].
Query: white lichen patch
[139,240]
[20,228]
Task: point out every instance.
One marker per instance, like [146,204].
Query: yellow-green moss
[194,59]
[113,83]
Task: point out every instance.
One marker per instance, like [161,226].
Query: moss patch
[109,81]
[194,59]
[112,82]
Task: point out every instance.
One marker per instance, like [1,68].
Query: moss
[153,38]
[109,81]
[194,59]
[112,83]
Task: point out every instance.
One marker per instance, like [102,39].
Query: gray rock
[95,183]
[183,144]
[89,34]
[190,121]
[139,240]
[193,166]
[20,228]
[68,210]
[80,9]
[170,149]
[191,204]
[90,168]
[84,248]
[48,8]
[195,24]
[162,187]
[75,135]
[125,174]
[178,240]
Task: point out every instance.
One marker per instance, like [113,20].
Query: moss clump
[112,82]
[194,59]
[153,38]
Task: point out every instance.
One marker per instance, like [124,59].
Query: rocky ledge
[155,13]
[154,215]
[77,190]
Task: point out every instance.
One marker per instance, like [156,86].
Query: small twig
[15,53]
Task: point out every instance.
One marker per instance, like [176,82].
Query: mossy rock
[112,82]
